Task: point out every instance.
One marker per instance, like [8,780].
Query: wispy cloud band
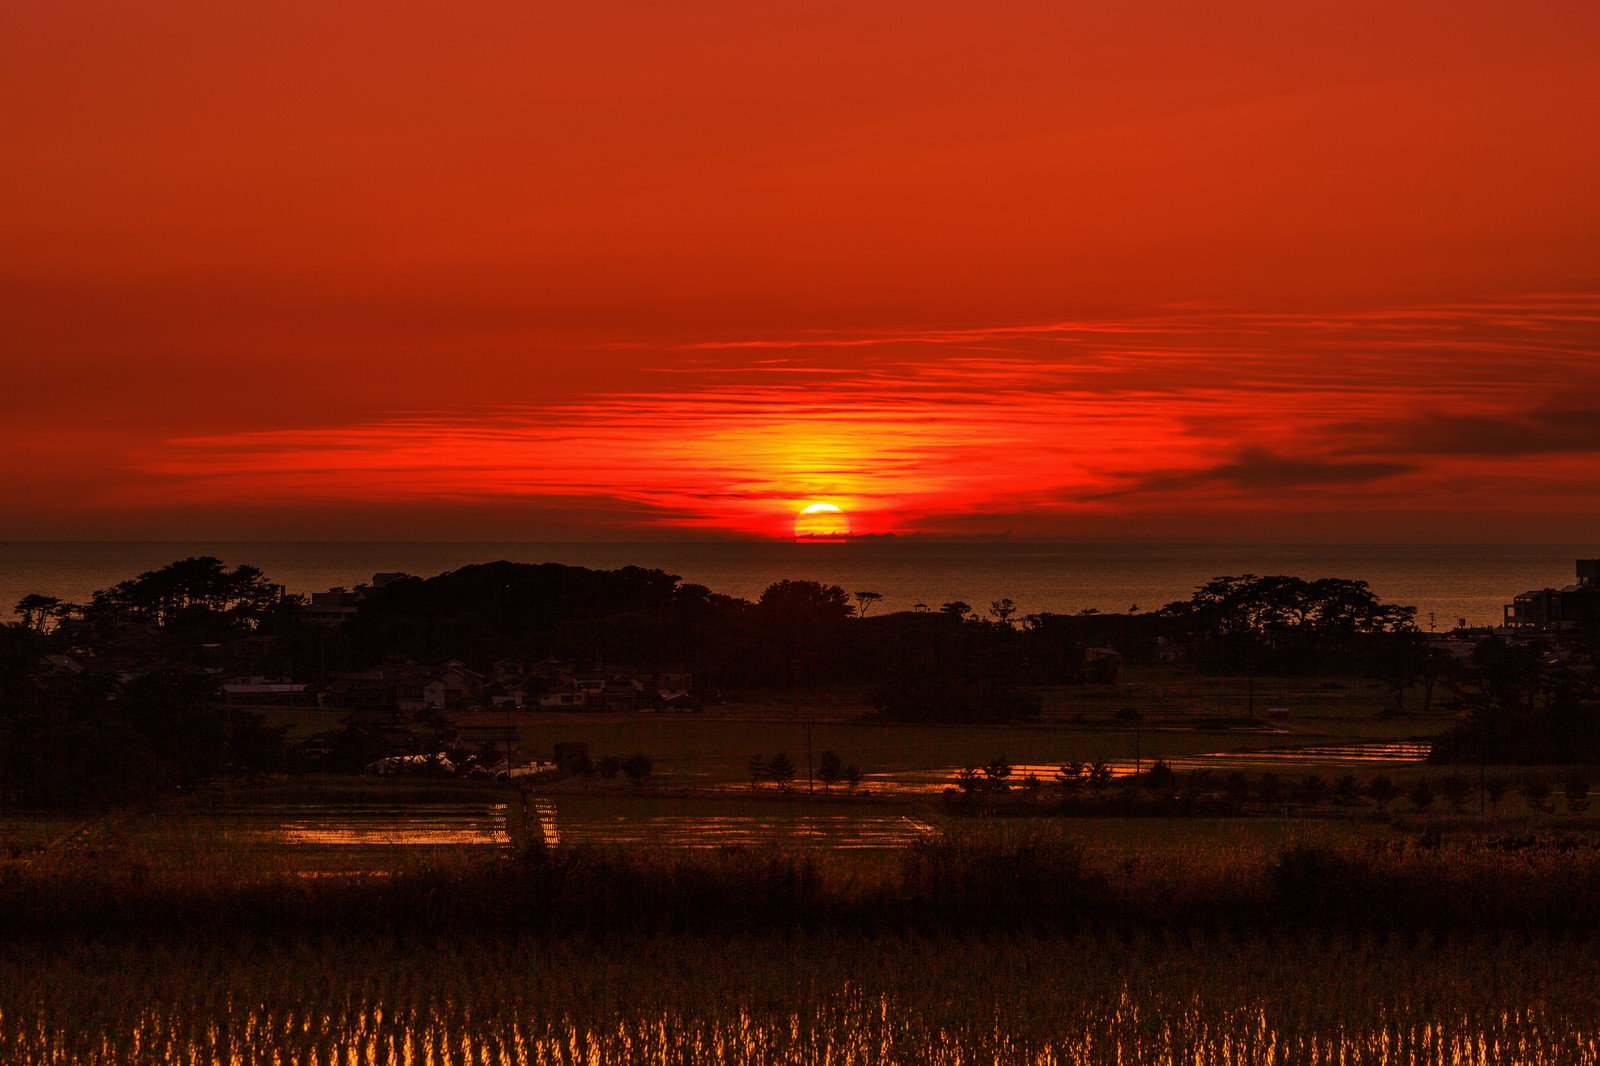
[1198,409]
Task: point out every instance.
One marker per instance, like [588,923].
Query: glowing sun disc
[821,520]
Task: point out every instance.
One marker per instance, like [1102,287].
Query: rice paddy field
[643,820]
[704,919]
[359,827]
[1181,715]
[24,834]
[804,999]
[246,972]
[374,825]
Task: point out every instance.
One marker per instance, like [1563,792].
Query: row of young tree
[1091,788]
[782,770]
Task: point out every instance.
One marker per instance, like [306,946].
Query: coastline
[1444,581]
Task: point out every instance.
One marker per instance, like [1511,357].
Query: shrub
[1457,792]
[1159,777]
[985,880]
[1577,794]
[1537,793]
[830,769]
[1495,789]
[638,767]
[1421,794]
[1382,790]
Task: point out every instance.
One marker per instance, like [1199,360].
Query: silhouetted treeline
[1525,705]
[100,739]
[115,697]
[648,618]
[1280,624]
[117,700]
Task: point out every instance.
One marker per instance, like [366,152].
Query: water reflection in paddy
[694,822]
[365,835]
[732,819]
[374,825]
[1342,758]
[838,831]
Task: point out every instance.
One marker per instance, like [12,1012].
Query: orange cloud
[605,268]
[1059,429]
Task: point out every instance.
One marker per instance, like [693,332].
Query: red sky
[520,271]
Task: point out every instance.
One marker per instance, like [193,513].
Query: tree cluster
[104,740]
[111,701]
[1525,705]
[118,695]
[1282,624]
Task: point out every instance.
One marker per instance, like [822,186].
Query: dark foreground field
[1037,879]
[702,919]
[186,935]
[804,998]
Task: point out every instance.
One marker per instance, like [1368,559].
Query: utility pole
[794,698]
[509,730]
[1250,688]
[1138,744]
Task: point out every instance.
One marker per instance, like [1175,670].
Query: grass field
[25,835]
[379,825]
[700,794]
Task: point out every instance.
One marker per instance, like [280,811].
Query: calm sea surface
[1444,582]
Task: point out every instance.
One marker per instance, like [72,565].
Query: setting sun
[741,293]
[822,521]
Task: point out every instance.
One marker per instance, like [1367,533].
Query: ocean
[1445,582]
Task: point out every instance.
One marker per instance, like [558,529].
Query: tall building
[1563,608]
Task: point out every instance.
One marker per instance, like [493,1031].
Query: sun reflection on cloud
[1212,411]
[726,458]
[821,521]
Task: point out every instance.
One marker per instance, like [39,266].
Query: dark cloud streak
[1544,430]
[1257,469]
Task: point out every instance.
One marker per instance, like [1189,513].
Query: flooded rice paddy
[312,837]
[712,823]
[357,837]
[382,827]
[1332,758]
